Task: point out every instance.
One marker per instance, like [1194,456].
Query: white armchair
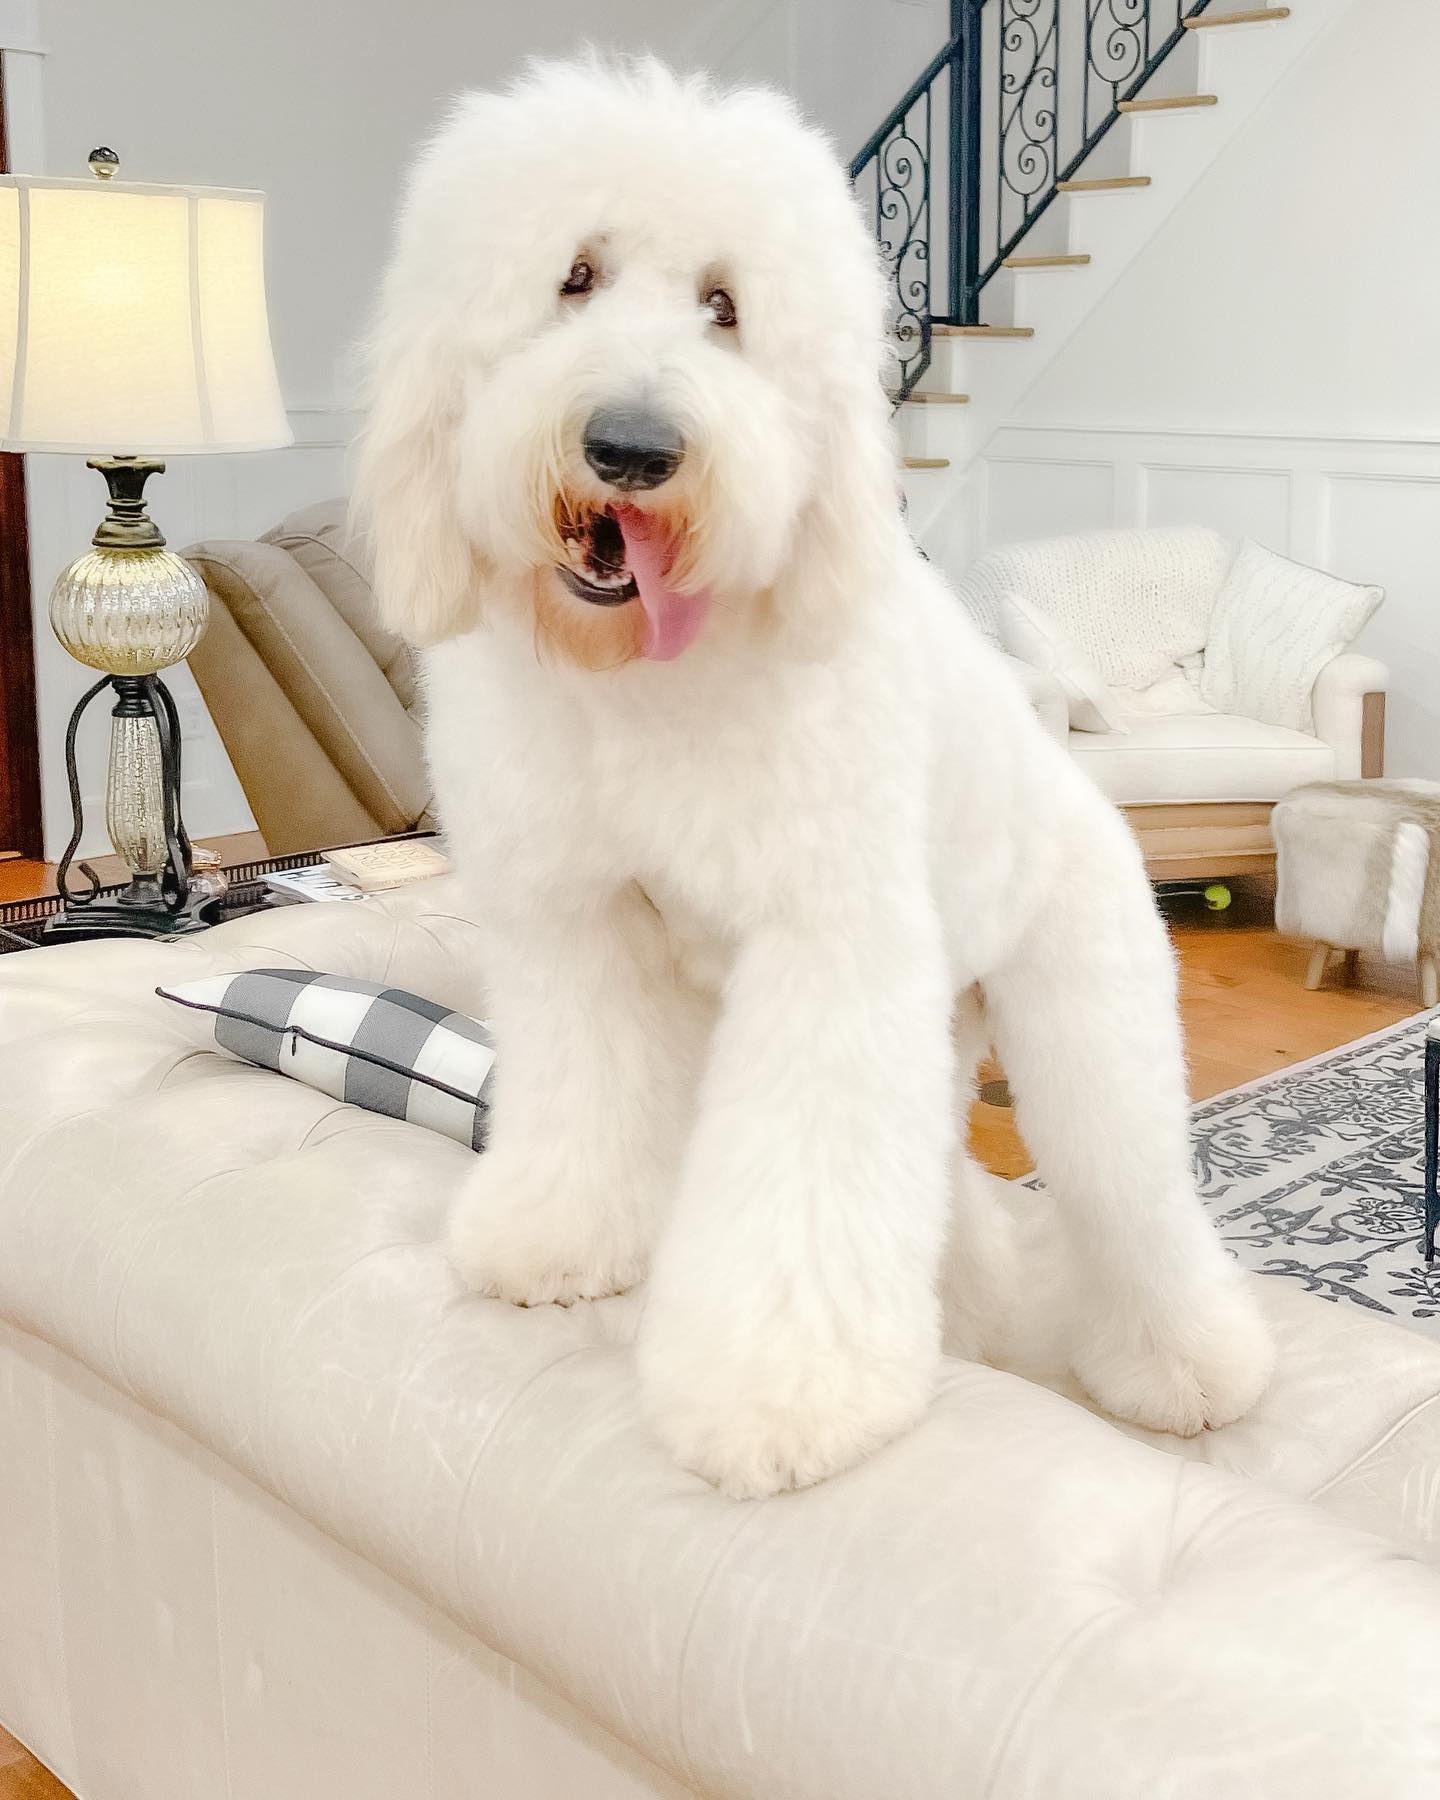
[1196,783]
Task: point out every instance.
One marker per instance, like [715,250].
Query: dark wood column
[19,731]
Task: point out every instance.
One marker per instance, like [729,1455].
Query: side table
[22,922]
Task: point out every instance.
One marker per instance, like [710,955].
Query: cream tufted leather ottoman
[286,1515]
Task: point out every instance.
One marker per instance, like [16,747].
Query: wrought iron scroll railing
[1020,96]
[893,180]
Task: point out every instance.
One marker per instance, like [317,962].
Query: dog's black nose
[630,448]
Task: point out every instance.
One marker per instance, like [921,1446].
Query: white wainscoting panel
[1364,508]
[1252,503]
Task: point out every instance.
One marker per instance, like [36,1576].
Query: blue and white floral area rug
[1315,1175]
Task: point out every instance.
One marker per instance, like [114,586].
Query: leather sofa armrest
[1045,694]
[1348,700]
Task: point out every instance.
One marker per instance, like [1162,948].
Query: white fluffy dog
[748,809]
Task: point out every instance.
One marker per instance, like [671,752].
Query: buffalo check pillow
[377,1047]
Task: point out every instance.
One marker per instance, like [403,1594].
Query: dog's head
[625,373]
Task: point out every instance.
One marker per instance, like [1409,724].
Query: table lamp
[132,328]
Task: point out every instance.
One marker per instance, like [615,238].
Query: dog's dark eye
[581,278]
[722,306]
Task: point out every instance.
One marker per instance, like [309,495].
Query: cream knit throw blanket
[1358,865]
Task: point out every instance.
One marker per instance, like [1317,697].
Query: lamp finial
[103,162]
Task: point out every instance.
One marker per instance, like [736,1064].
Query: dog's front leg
[792,1324]
[594,1077]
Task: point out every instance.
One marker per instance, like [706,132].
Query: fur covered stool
[1358,868]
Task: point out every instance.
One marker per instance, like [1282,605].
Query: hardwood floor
[1246,1013]
[22,1778]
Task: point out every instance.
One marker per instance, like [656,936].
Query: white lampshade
[132,319]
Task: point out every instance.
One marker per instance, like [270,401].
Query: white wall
[320,103]
[1267,364]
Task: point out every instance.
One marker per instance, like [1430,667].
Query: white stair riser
[1230,53]
[938,431]
[1212,37]
[1169,143]
[919,487]
[1180,73]
[1106,224]
[961,365]
[997,301]
[1113,155]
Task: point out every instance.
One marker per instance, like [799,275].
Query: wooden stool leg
[1319,957]
[1352,966]
[1429,981]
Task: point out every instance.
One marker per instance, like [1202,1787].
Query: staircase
[1012,184]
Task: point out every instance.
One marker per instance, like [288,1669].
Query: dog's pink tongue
[672,620]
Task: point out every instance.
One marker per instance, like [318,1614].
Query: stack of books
[359,870]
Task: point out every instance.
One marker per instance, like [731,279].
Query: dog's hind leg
[1083,1010]
[1003,1304]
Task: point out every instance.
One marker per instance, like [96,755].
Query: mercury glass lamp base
[143,810]
[130,608]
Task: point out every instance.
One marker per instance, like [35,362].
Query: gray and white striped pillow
[377,1047]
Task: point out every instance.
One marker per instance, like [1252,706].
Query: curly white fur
[736,901]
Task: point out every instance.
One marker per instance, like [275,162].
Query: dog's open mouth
[618,554]
[597,568]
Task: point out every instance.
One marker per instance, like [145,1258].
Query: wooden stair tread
[1045,262]
[983,331]
[1103,184]
[927,462]
[1170,103]
[1257,15]
[923,398]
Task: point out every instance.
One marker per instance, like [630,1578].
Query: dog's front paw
[754,1452]
[533,1238]
[1183,1364]
[785,1418]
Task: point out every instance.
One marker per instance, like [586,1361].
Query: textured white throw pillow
[1135,602]
[1275,626]
[1027,633]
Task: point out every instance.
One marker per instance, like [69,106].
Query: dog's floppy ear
[428,577]
[843,555]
